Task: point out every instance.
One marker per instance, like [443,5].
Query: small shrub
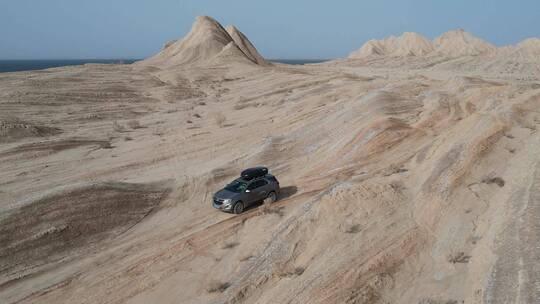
[118,127]
[394,169]
[284,270]
[397,186]
[127,138]
[230,245]
[460,257]
[92,116]
[353,229]
[220,119]
[217,286]
[494,180]
[159,131]
[134,124]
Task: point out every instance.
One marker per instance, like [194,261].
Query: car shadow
[284,193]
[287,192]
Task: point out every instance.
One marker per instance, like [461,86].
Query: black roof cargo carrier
[253,173]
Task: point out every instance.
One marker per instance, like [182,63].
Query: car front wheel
[238,208]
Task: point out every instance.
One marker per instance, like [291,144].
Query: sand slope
[455,51]
[461,43]
[206,43]
[408,44]
[404,180]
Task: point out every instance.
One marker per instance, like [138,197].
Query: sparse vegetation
[230,245]
[134,124]
[217,286]
[220,119]
[158,131]
[459,257]
[284,270]
[117,127]
[353,229]
[106,145]
[397,186]
[92,116]
[394,169]
[494,180]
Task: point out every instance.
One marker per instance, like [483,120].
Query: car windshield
[236,187]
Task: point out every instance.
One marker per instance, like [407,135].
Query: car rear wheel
[238,208]
[272,197]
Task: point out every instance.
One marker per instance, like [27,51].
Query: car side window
[257,184]
[252,186]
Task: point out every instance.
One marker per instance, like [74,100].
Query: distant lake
[29,65]
[299,61]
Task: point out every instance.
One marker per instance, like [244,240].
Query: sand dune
[456,51]
[208,43]
[245,45]
[408,176]
[461,43]
[452,44]
[408,44]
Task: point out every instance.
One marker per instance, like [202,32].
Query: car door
[250,195]
[257,191]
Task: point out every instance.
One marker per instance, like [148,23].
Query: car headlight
[227,201]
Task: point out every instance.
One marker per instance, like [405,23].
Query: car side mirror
[247,191]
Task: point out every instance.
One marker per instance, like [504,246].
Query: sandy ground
[401,184]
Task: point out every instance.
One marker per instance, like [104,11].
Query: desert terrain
[410,173]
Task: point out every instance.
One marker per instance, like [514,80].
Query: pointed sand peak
[245,45]
[207,42]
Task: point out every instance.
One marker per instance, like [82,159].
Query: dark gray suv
[253,186]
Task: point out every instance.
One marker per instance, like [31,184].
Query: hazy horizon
[124,29]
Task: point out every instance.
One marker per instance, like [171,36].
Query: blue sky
[77,29]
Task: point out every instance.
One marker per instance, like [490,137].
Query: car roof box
[252,173]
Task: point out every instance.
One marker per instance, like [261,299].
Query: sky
[298,29]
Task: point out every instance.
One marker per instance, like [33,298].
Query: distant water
[29,65]
[299,61]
